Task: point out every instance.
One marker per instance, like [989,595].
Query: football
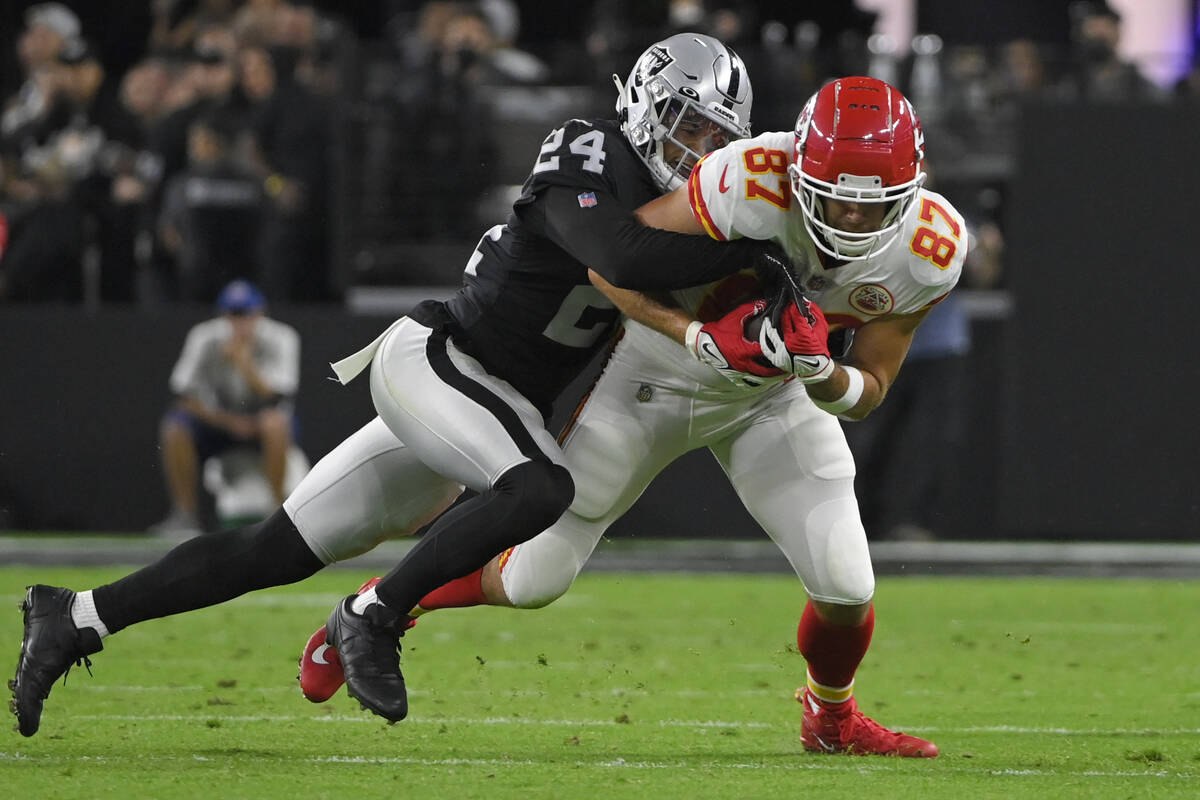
[753,325]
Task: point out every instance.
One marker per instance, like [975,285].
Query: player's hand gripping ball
[723,345]
[794,337]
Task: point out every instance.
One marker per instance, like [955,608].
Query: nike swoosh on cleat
[318,655]
[821,742]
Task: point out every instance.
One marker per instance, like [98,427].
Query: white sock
[83,614]
[363,600]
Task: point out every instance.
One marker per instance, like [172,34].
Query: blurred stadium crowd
[311,146]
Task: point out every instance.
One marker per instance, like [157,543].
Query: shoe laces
[386,628]
[854,726]
[82,661]
[842,718]
[40,673]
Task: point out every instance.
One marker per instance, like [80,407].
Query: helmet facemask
[845,245]
[682,135]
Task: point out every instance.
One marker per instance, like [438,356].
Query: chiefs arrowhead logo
[872,299]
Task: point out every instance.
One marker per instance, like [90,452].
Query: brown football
[753,325]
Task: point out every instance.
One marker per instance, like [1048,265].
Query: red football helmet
[857,140]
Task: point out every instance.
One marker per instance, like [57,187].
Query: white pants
[444,423]
[786,459]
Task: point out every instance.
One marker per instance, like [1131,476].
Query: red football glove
[799,344]
[723,346]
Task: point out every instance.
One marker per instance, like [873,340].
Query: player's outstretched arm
[627,253]
[721,344]
[670,321]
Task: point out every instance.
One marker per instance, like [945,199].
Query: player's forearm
[851,396]
[670,321]
[649,259]
[879,350]
[630,255]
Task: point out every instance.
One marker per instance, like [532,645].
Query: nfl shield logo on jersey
[587,200]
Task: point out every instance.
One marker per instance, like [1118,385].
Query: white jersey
[204,373]
[743,190]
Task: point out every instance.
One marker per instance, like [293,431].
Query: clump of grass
[1148,756]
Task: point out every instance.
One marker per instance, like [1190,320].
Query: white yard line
[801,764]
[578,723]
[615,691]
[671,723]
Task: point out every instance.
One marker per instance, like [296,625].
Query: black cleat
[369,647]
[51,645]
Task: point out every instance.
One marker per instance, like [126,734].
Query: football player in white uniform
[843,195]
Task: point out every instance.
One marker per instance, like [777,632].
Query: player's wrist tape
[849,398]
[692,334]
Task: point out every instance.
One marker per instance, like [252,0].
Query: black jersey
[527,310]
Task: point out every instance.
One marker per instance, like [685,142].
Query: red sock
[833,652]
[458,593]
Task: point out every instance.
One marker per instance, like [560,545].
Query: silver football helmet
[686,96]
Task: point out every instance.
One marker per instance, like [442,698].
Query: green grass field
[638,686]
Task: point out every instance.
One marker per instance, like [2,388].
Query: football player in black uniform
[462,389]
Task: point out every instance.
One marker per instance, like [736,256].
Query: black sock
[523,502]
[207,570]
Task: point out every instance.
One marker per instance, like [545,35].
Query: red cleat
[320,667]
[842,728]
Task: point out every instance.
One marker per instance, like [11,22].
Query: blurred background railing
[375,141]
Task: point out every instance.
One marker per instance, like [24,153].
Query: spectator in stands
[233,383]
[127,218]
[98,122]
[212,212]
[1021,73]
[293,142]
[510,63]
[48,27]
[267,22]
[445,129]
[205,81]
[177,22]
[51,178]
[1101,74]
